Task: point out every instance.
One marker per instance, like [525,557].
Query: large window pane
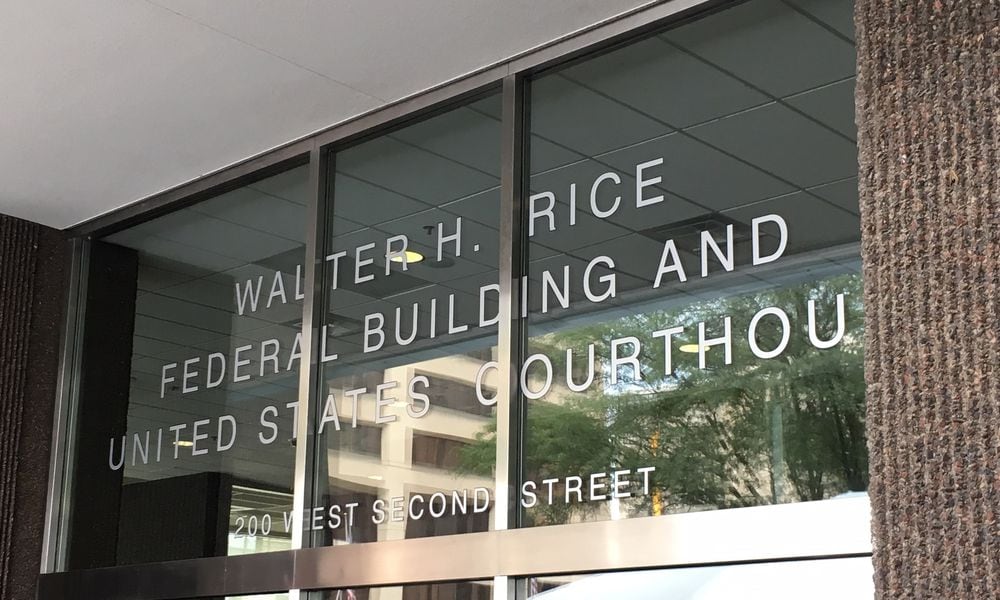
[405,449]
[189,381]
[694,296]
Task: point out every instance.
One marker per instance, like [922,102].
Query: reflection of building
[410,455]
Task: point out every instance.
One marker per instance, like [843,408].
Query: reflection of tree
[753,432]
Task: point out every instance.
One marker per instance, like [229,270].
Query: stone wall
[32,287]
[927,113]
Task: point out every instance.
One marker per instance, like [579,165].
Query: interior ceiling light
[411,257]
[690,348]
[184,443]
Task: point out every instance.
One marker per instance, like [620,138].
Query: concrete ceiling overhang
[104,104]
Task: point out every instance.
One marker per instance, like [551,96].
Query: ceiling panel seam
[264,50]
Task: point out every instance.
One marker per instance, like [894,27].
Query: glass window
[833,579]
[277,596]
[693,294]
[459,590]
[459,395]
[411,274]
[690,324]
[437,452]
[185,437]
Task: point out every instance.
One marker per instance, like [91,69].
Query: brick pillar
[928,113]
[32,287]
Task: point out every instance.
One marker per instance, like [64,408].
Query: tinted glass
[189,381]
[405,443]
[693,292]
[459,590]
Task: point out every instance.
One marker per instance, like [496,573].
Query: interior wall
[32,291]
[929,135]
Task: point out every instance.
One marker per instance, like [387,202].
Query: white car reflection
[833,579]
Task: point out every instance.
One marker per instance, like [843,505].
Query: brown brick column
[928,112]
[32,286]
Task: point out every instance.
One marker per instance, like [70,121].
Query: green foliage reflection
[757,431]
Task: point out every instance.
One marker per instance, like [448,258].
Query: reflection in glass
[411,275]
[694,323]
[833,579]
[459,590]
[189,381]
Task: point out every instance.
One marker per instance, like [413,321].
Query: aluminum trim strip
[313,308]
[511,190]
[64,414]
[825,529]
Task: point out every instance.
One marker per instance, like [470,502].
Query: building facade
[696,303]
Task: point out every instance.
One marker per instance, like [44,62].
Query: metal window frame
[826,529]
[62,450]
[510,332]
